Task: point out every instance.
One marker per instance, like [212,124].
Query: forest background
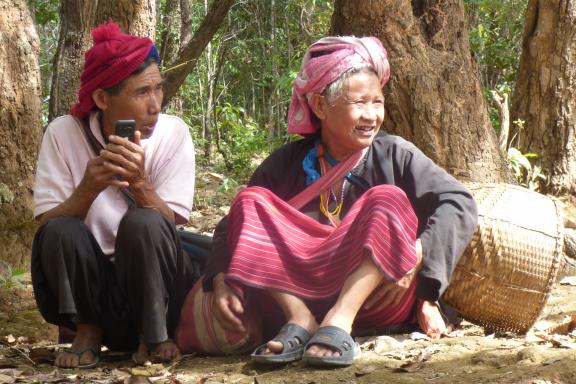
[486,79]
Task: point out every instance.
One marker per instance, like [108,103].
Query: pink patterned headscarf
[341,54]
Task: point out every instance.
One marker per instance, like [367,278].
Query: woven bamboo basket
[505,275]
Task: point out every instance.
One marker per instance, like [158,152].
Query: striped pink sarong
[274,246]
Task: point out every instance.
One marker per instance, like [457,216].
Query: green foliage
[496,38]
[527,175]
[249,69]
[11,277]
[44,11]
[47,20]
[496,42]
[241,141]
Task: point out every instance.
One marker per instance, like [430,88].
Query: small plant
[529,176]
[11,277]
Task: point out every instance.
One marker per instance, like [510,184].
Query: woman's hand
[390,294]
[227,306]
[430,319]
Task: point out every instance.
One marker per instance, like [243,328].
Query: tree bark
[20,129]
[176,72]
[77,19]
[434,98]
[136,17]
[545,91]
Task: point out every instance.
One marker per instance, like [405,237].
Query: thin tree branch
[176,73]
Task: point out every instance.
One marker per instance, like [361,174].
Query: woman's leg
[357,287]
[296,312]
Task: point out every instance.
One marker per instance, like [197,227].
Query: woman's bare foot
[164,352]
[85,348]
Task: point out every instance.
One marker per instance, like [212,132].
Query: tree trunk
[20,129]
[136,17]
[434,98]
[77,18]
[545,91]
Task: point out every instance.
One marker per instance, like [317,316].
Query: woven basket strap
[327,179]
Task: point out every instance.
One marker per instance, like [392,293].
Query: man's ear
[318,105]
[101,99]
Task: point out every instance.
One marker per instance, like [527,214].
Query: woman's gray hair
[334,90]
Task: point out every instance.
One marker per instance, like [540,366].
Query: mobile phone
[125,128]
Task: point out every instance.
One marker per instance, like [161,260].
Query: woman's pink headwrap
[341,54]
[112,58]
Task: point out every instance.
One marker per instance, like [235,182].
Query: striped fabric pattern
[199,331]
[275,246]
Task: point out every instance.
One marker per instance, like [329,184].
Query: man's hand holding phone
[123,155]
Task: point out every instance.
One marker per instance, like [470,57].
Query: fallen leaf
[417,363]
[41,355]
[137,379]
[5,379]
[365,371]
[568,280]
[418,336]
[551,361]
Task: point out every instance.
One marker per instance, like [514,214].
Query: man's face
[140,98]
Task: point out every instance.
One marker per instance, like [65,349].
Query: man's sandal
[293,338]
[95,352]
[336,339]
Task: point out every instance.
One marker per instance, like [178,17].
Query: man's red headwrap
[113,57]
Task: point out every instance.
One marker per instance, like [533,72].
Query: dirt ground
[469,356]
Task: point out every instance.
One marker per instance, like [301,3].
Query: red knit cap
[113,57]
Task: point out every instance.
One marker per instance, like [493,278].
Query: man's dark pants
[136,297]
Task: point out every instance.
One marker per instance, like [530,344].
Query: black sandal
[293,338]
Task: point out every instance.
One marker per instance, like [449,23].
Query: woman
[374,249]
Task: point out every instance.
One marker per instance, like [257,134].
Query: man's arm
[146,197]
[96,178]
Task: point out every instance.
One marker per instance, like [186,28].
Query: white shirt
[169,162]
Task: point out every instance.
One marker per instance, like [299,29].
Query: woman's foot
[307,322]
[85,349]
[296,312]
[334,318]
[163,352]
[292,338]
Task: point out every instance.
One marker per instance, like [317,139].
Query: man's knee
[66,237]
[62,227]
[141,220]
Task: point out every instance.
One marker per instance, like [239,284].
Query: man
[107,261]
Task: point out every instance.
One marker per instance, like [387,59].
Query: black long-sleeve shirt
[446,211]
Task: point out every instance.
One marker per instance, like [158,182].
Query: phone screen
[125,128]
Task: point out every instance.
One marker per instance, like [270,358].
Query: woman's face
[355,118]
